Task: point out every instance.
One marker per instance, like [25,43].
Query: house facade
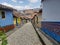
[6,18]
[51,18]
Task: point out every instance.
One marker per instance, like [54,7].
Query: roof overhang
[6,7]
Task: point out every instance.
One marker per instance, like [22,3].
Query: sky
[22,4]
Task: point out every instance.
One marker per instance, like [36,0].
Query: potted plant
[3,38]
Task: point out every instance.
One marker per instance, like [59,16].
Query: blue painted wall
[52,29]
[8,18]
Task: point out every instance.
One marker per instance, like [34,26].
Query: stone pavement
[25,35]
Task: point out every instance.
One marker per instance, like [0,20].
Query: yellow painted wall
[19,20]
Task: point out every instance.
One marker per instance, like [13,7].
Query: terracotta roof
[17,14]
[28,12]
[5,7]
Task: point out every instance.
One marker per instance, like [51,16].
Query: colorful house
[6,18]
[51,18]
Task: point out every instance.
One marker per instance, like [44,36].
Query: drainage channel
[43,43]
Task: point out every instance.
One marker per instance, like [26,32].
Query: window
[3,14]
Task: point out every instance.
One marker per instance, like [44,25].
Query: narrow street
[30,22]
[26,35]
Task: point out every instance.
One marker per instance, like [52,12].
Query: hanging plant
[3,38]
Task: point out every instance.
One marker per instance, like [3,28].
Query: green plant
[3,38]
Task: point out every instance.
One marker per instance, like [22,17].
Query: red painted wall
[7,28]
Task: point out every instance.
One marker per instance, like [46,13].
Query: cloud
[15,7]
[18,7]
[27,7]
[4,3]
[21,2]
[22,7]
[14,0]
[33,1]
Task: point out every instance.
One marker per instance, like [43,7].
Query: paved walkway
[26,35]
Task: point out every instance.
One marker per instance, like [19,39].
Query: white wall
[51,10]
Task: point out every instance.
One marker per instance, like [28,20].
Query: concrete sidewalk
[26,35]
[46,38]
